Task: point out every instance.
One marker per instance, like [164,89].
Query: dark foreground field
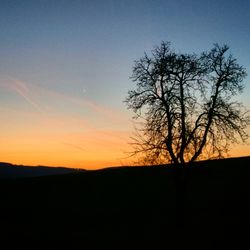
[211,199]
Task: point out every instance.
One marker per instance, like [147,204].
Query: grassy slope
[11,171]
[129,203]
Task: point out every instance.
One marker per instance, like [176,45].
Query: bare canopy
[187,104]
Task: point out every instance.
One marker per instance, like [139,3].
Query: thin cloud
[101,110]
[74,146]
[23,90]
[28,92]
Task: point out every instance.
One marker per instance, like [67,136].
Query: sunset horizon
[124,122]
[65,72]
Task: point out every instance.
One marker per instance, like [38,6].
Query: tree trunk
[181,198]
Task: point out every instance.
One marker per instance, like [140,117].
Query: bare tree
[187,104]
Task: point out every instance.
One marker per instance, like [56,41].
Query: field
[207,199]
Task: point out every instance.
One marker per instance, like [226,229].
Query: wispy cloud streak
[29,92]
[74,146]
[23,90]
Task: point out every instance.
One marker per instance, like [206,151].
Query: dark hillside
[11,171]
[129,203]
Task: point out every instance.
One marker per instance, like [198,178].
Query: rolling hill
[211,199]
[11,171]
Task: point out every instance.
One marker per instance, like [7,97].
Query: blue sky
[55,52]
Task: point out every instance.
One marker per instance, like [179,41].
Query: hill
[211,199]
[11,171]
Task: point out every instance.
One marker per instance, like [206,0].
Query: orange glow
[32,132]
[91,149]
[240,150]
[42,134]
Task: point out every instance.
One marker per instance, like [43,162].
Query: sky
[65,70]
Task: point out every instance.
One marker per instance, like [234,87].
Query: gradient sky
[65,68]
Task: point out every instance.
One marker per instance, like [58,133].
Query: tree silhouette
[187,104]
